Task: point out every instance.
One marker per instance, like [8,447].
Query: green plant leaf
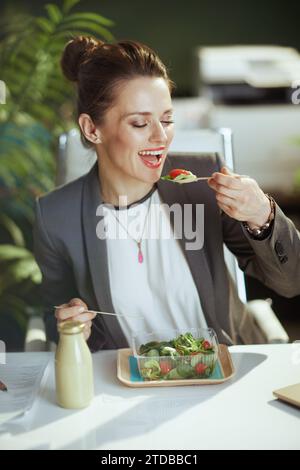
[36,113]
[55,15]
[9,252]
[45,25]
[13,229]
[21,270]
[86,27]
[94,17]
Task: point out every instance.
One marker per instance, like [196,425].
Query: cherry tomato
[165,367]
[200,368]
[178,171]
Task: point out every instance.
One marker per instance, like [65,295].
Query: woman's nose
[158,134]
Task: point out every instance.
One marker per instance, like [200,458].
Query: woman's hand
[240,197]
[74,310]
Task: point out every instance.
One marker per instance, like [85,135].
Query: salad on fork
[179,175]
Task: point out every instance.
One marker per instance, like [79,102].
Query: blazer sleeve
[275,261]
[58,284]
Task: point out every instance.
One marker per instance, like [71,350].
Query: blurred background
[236,65]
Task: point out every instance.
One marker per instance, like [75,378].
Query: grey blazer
[73,260]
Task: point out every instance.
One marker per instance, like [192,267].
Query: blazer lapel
[97,257]
[175,193]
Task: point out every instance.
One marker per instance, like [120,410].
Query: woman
[152,282]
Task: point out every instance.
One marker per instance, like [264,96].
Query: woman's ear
[89,129]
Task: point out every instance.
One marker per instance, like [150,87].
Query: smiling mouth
[152,155]
[151,159]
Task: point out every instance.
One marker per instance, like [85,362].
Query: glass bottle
[73,367]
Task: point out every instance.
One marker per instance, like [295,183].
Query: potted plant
[37,110]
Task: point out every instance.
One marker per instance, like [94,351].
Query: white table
[239,414]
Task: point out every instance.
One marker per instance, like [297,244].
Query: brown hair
[98,68]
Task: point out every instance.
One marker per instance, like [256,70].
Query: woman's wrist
[261,231]
[262,218]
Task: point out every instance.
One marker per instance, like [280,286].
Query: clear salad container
[176,354]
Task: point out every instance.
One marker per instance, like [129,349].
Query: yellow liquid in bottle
[73,367]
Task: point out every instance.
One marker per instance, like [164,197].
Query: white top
[161,289]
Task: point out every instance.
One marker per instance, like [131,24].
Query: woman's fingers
[226,185]
[85,317]
[225,178]
[221,189]
[63,313]
[62,306]
[240,197]
[229,210]
[72,309]
[77,302]
[76,310]
[233,193]
[228,201]
[87,330]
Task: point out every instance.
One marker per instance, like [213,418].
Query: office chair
[212,141]
[197,141]
[73,160]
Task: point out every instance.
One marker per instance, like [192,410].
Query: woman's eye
[165,123]
[139,125]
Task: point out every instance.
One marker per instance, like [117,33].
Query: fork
[106,313]
[192,181]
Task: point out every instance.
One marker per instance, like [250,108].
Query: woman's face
[138,129]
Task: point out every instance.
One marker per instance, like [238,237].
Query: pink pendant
[140,256]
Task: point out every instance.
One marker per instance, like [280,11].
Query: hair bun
[75,53]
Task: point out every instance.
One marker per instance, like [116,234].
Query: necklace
[138,242]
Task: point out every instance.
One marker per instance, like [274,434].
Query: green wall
[174,28]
